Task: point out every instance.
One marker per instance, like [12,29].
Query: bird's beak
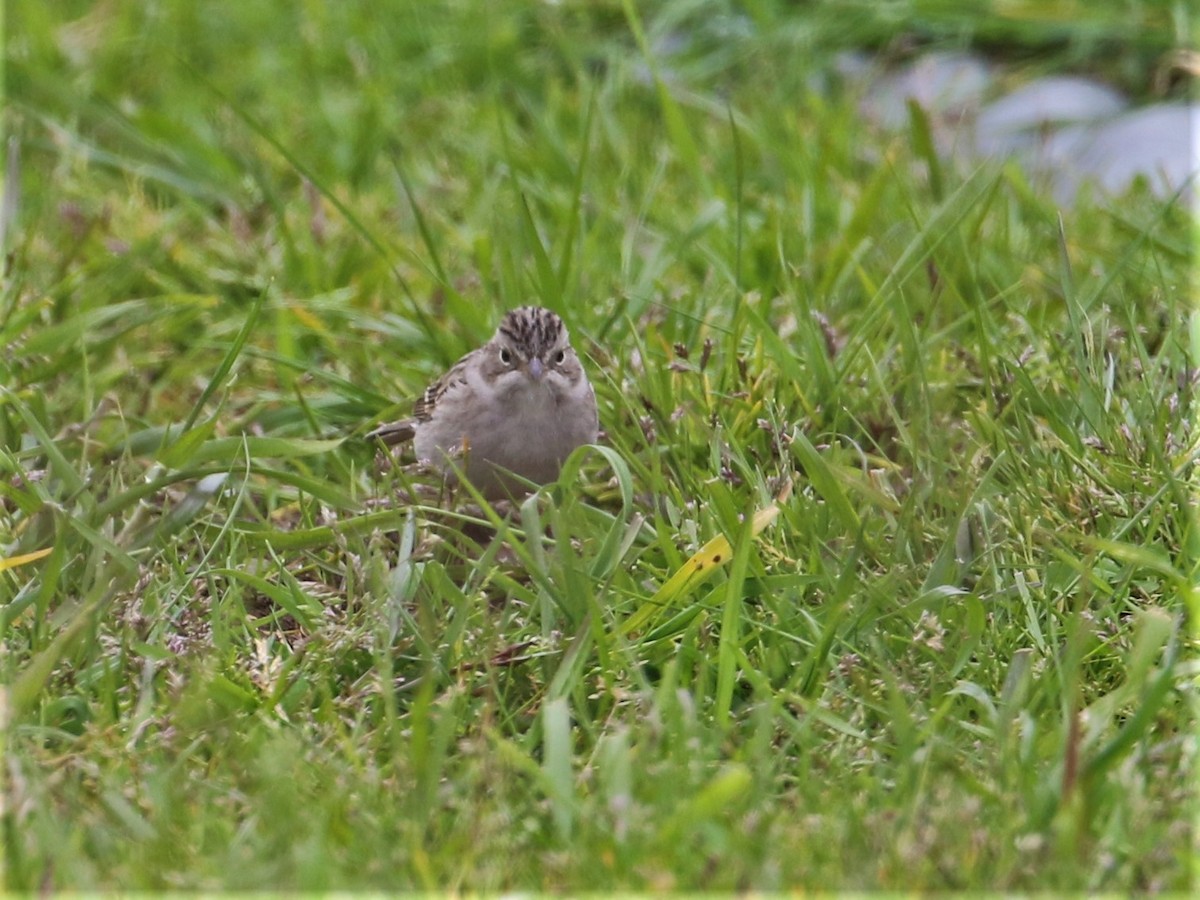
[535,369]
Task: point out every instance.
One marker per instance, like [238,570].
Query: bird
[507,413]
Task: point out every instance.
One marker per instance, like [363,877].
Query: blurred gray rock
[947,85]
[1067,131]
[1022,118]
[1155,142]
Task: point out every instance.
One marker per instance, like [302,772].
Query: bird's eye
[506,356]
[560,357]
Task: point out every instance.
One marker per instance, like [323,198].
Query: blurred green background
[235,655]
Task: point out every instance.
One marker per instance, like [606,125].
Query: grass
[939,432]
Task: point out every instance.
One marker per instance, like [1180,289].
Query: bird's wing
[424,407]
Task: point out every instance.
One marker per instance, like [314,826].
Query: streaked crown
[534,329]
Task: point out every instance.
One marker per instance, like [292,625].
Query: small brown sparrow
[516,406]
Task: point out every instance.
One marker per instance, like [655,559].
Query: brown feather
[393,433]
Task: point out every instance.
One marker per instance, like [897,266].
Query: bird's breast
[529,432]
